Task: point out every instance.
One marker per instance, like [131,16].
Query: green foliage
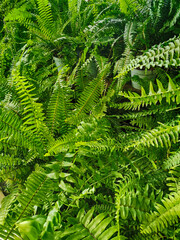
[80,158]
[165,214]
[164,55]
[152,98]
[129,6]
[59,107]
[90,228]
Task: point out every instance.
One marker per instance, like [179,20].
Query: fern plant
[78,160]
[163,55]
[91,228]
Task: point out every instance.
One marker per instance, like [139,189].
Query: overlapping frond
[91,228]
[173,160]
[36,189]
[129,6]
[163,136]
[33,113]
[59,108]
[172,94]
[6,205]
[89,96]
[164,55]
[166,214]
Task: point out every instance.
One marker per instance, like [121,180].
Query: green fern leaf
[6,204]
[33,112]
[162,136]
[173,161]
[90,96]
[45,20]
[165,215]
[136,101]
[128,6]
[59,108]
[90,228]
[36,189]
[164,55]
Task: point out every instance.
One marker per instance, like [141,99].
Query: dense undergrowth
[83,154]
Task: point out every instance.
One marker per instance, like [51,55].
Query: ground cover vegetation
[83,155]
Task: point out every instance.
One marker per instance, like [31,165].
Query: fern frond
[5,235]
[173,182]
[128,6]
[11,124]
[59,108]
[23,16]
[19,14]
[165,215]
[6,160]
[33,112]
[164,55]
[90,228]
[136,101]
[173,161]
[143,113]
[6,204]
[44,27]
[162,136]
[9,166]
[174,14]
[36,189]
[89,96]
[45,20]
[78,139]
[67,143]
[133,204]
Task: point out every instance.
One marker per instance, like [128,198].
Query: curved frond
[59,108]
[90,96]
[165,215]
[86,227]
[173,161]
[33,112]
[164,55]
[36,190]
[172,94]
[162,136]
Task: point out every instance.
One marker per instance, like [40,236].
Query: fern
[11,124]
[174,16]
[162,136]
[72,166]
[90,95]
[173,182]
[6,204]
[44,27]
[45,20]
[59,108]
[90,228]
[33,113]
[136,101]
[128,6]
[172,161]
[165,215]
[36,189]
[164,55]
